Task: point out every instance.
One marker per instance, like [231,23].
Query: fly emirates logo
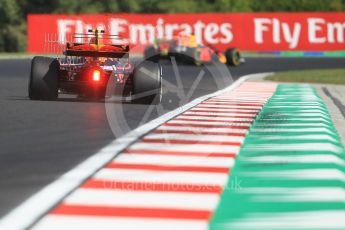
[137,33]
[318,31]
[271,32]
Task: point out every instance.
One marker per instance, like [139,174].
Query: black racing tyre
[44,78]
[147,83]
[150,54]
[233,57]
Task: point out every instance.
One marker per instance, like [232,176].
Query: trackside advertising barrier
[247,31]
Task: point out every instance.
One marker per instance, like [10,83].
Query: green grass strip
[328,76]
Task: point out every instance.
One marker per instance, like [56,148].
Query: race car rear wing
[104,45]
[92,50]
[97,44]
[83,53]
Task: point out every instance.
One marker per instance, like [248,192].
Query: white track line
[229,108]
[219,105]
[197,148]
[59,222]
[197,130]
[214,118]
[217,116]
[143,199]
[196,122]
[37,205]
[194,137]
[175,160]
[206,161]
[147,176]
[234,100]
[243,113]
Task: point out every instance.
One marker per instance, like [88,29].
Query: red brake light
[96,75]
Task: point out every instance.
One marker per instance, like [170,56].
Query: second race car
[186,50]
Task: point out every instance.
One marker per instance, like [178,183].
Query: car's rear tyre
[233,57]
[150,54]
[147,80]
[44,78]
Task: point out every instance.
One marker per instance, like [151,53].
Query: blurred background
[13,13]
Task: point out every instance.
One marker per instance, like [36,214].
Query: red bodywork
[88,65]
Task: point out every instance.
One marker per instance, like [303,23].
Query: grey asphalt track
[40,140]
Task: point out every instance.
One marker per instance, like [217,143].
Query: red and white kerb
[172,178]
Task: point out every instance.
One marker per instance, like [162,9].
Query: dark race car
[186,50]
[94,68]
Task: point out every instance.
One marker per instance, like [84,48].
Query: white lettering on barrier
[260,27]
[227,32]
[335,32]
[279,30]
[198,27]
[292,37]
[117,26]
[266,30]
[211,33]
[64,27]
[145,32]
[314,27]
[276,31]
[186,28]
[169,31]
